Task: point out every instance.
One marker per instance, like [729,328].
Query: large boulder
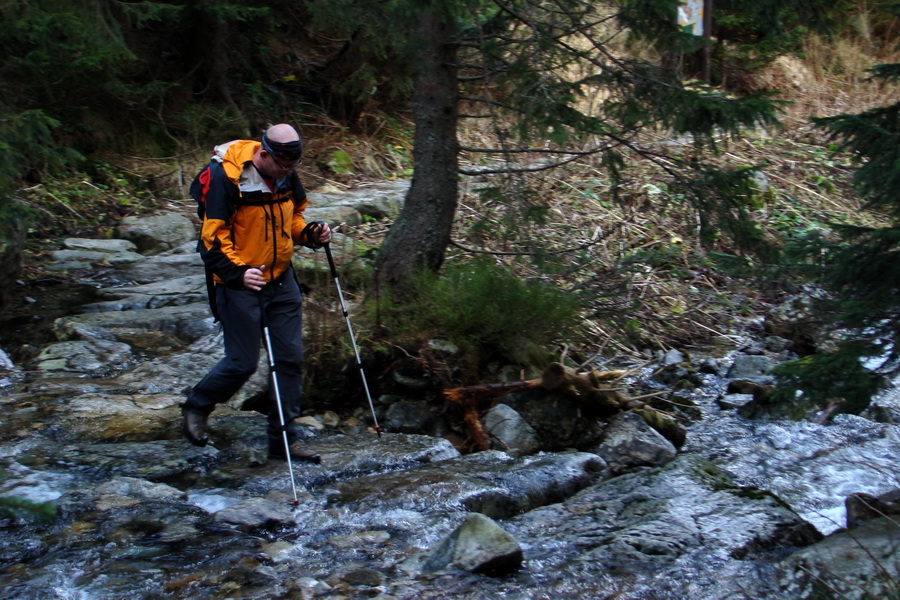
[156,234]
[479,545]
[855,564]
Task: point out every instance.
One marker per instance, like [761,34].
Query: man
[252,206]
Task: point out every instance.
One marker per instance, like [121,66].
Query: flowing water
[375,505]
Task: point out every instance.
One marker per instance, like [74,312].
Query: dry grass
[652,286]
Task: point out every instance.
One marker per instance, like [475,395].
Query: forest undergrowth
[629,249]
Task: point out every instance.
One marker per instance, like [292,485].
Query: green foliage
[723,199]
[874,137]
[829,377]
[488,312]
[697,109]
[36,147]
[341,162]
[760,31]
[862,267]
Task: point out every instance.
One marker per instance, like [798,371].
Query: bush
[488,312]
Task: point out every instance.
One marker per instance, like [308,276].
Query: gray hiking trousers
[239,311]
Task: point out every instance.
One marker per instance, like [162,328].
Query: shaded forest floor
[632,252]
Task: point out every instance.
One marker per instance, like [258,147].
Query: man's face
[276,168]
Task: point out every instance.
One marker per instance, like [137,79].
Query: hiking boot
[194,426]
[299,452]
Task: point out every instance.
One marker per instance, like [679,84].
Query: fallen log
[593,389]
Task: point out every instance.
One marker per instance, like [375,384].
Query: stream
[91,424]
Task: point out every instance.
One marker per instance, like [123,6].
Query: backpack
[198,190]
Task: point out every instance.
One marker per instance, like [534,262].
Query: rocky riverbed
[564,506]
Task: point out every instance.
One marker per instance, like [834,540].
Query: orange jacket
[245,223]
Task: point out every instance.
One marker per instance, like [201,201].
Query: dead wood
[592,389]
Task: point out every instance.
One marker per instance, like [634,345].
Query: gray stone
[88,258]
[184,323]
[479,545]
[410,417]
[364,577]
[858,564]
[99,245]
[334,215]
[492,483]
[165,266]
[629,442]
[82,357]
[255,514]
[750,367]
[156,234]
[513,433]
[141,488]
[730,401]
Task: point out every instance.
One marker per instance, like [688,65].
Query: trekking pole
[362,373]
[284,435]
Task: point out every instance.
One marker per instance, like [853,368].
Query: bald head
[282,133]
[280,151]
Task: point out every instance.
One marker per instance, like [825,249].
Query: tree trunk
[420,236]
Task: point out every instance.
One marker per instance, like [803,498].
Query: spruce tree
[534,64]
[861,268]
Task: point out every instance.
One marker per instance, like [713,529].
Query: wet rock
[255,514]
[629,442]
[710,366]
[732,401]
[680,376]
[672,357]
[774,343]
[179,261]
[794,320]
[278,551]
[411,417]
[865,507]
[186,323]
[364,577]
[115,502]
[560,423]
[885,406]
[361,539]
[751,368]
[479,545]
[678,404]
[859,564]
[16,551]
[158,233]
[763,402]
[65,359]
[492,483]
[171,292]
[309,587]
[652,526]
[157,460]
[117,417]
[140,488]
[511,432]
[12,241]
[351,456]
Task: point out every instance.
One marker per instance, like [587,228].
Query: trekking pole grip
[330,260]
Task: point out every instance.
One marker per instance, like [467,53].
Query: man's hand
[253,278]
[321,232]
